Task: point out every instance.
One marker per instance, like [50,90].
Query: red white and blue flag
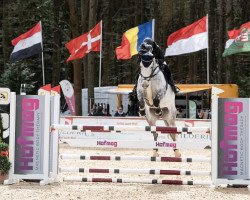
[27,44]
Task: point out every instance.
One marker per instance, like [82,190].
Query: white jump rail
[137,180]
[133,158]
[108,128]
[134,171]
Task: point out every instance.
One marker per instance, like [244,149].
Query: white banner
[68,92]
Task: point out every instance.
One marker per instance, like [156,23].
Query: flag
[188,39]
[55,90]
[132,39]
[68,92]
[47,89]
[44,89]
[85,43]
[239,40]
[27,44]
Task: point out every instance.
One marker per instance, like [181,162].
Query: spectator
[201,114]
[179,113]
[209,114]
[94,108]
[91,113]
[105,112]
[99,111]
[120,113]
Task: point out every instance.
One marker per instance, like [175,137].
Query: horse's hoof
[142,113]
[177,153]
[155,154]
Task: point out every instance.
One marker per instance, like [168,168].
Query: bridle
[148,63]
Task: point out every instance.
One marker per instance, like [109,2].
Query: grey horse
[156,97]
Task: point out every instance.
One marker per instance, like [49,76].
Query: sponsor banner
[133,144]
[68,92]
[192,109]
[29,134]
[187,141]
[233,138]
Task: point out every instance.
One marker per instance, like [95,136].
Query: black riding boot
[170,80]
[171,83]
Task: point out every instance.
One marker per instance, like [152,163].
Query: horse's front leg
[156,101]
[140,96]
[142,107]
[170,121]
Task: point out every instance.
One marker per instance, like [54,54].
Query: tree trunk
[84,25]
[229,22]
[6,33]
[106,38]
[56,44]
[212,43]
[76,63]
[221,41]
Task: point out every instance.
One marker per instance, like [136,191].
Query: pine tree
[17,74]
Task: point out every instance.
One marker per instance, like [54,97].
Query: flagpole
[43,70]
[153,29]
[42,56]
[100,62]
[207,51]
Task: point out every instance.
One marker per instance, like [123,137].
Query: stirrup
[175,89]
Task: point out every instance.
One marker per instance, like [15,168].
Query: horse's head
[148,65]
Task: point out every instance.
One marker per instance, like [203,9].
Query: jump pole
[134,171]
[136,180]
[133,158]
[162,129]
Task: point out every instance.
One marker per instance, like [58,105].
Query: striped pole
[134,180]
[161,129]
[134,171]
[137,158]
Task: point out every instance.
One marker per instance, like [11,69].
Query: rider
[149,44]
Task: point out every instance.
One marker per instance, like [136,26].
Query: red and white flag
[47,89]
[188,39]
[27,44]
[85,43]
[55,90]
[44,89]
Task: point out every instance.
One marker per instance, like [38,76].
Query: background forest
[63,20]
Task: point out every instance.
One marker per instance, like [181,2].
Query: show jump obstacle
[34,126]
